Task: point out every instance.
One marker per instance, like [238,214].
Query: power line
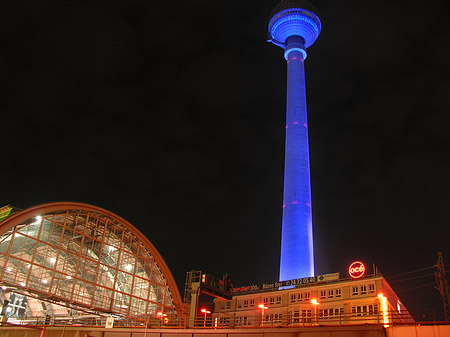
[410,272]
[411,278]
[422,286]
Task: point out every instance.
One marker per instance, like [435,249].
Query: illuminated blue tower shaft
[297,255]
[294,26]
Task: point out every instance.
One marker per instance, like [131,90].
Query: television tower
[294,26]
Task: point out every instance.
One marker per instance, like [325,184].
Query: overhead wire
[411,278]
[422,286]
[409,272]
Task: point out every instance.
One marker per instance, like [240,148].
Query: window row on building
[363,289]
[301,296]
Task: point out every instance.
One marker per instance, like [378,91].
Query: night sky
[171,115]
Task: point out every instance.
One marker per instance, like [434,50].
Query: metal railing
[429,316]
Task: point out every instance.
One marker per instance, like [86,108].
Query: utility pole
[442,285]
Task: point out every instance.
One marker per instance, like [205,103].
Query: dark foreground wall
[352,331]
[359,331]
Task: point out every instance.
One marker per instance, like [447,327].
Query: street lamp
[206,312]
[263,307]
[161,316]
[315,303]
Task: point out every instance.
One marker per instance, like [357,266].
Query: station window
[294,316]
[330,293]
[371,288]
[245,303]
[265,300]
[306,316]
[252,302]
[323,294]
[271,300]
[364,289]
[355,290]
[278,299]
[277,318]
[338,292]
[293,297]
[307,296]
[239,304]
[330,313]
[365,310]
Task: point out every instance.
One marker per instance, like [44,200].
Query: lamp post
[315,303]
[263,307]
[206,312]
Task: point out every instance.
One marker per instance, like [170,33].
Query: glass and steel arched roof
[84,257]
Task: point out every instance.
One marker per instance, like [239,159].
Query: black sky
[171,115]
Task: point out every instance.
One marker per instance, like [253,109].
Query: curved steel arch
[157,273]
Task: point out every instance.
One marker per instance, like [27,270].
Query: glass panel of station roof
[50,231]
[87,269]
[138,307]
[40,278]
[130,242]
[127,262]
[121,302]
[66,263]
[103,297]
[141,288]
[76,220]
[106,276]
[62,285]
[144,268]
[31,228]
[45,255]
[16,271]
[167,297]
[110,256]
[2,262]
[99,228]
[4,243]
[157,274]
[23,247]
[82,292]
[157,293]
[91,248]
[114,234]
[72,240]
[124,282]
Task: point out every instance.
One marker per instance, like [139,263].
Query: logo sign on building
[356,269]
[109,322]
[328,277]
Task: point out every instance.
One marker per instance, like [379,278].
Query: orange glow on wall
[384,309]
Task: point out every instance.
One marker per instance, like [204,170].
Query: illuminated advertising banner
[287,284]
[4,212]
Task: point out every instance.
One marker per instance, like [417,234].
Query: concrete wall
[351,331]
[419,331]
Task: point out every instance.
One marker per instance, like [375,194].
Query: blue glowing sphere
[294,17]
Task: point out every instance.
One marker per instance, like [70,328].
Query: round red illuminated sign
[357,269]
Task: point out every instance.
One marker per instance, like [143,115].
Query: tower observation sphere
[294,26]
